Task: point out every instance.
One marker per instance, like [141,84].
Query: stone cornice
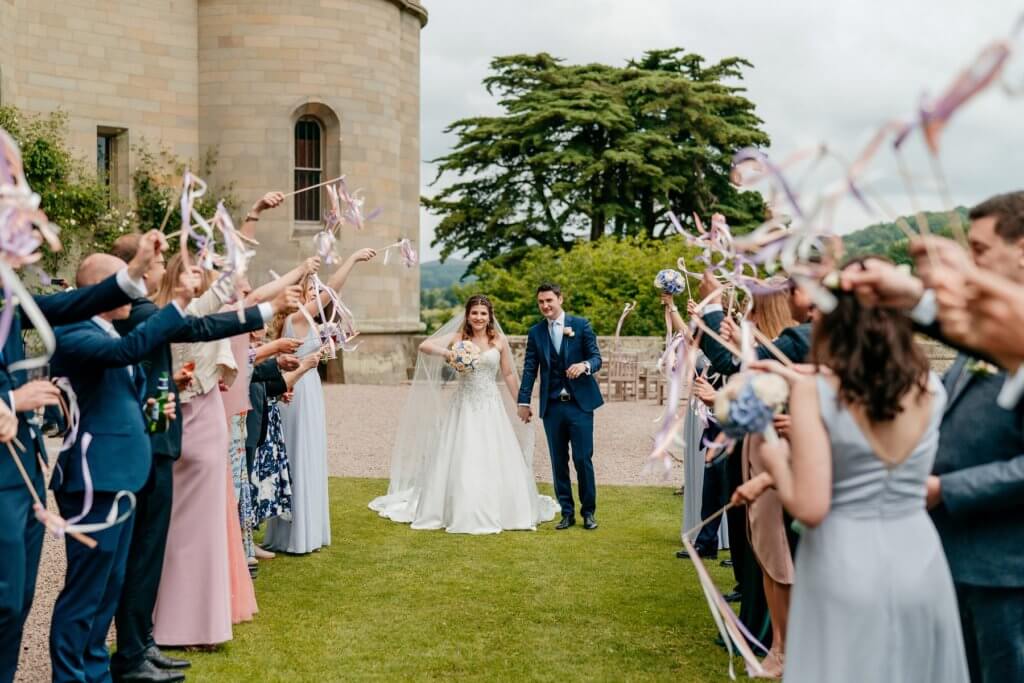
[414,7]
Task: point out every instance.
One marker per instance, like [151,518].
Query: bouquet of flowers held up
[670,281]
[748,402]
[464,356]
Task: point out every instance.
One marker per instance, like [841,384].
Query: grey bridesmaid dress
[873,599]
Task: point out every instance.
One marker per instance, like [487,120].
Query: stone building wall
[126,65]
[236,75]
[355,67]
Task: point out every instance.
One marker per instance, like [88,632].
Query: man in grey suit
[976,492]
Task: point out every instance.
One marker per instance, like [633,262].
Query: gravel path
[360,435]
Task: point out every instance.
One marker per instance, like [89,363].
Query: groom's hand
[525,414]
[576,370]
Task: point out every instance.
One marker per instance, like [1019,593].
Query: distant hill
[437,275]
[889,240]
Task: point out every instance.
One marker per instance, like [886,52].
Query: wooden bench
[623,372]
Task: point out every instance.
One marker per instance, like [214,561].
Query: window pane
[103,152]
[307,144]
[308,169]
[307,204]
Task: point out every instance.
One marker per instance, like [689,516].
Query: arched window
[309,169]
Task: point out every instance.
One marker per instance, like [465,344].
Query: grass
[388,603]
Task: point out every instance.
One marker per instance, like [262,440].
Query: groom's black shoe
[589,522]
[567,521]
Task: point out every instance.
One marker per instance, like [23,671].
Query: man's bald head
[96,268]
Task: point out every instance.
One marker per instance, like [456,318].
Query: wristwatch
[674,309]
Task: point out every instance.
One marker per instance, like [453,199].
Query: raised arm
[268,201]
[440,346]
[273,288]
[338,279]
[84,346]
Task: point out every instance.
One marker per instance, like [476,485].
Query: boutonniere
[569,332]
[981,368]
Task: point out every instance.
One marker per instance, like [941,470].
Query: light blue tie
[556,338]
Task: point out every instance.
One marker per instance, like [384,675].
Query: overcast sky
[823,72]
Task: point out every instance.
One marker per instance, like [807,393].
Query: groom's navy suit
[566,405]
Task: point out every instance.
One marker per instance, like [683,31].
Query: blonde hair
[175,267]
[771,312]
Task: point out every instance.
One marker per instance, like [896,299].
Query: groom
[563,350]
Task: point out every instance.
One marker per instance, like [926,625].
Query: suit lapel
[545,336]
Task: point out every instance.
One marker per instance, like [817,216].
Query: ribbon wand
[313,187]
[45,516]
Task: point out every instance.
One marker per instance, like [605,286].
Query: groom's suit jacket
[980,464]
[578,347]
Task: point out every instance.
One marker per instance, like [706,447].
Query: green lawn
[388,603]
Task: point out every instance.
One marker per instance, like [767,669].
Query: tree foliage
[586,151]
[597,280]
[887,239]
[89,216]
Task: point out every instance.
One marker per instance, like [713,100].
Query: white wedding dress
[474,479]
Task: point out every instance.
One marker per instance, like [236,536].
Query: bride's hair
[872,352]
[467,329]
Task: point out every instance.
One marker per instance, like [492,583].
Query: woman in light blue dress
[304,423]
[873,599]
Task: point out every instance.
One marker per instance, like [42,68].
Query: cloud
[823,71]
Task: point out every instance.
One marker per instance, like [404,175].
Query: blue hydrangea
[670,281]
[748,414]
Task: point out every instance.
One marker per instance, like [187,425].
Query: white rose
[771,389]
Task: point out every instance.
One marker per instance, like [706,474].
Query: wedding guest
[236,407]
[784,310]
[976,492]
[873,598]
[305,432]
[767,527]
[195,604]
[137,657]
[271,477]
[701,491]
[110,456]
[21,536]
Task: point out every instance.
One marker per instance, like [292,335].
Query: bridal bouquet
[748,402]
[465,356]
[670,281]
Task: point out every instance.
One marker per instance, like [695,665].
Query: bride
[461,462]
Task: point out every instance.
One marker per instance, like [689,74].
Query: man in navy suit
[138,658]
[563,351]
[102,368]
[21,536]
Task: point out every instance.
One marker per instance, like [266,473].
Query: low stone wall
[650,348]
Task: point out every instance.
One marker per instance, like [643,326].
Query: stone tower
[346,71]
[259,80]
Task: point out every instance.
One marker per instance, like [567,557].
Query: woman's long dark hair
[872,352]
[467,329]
